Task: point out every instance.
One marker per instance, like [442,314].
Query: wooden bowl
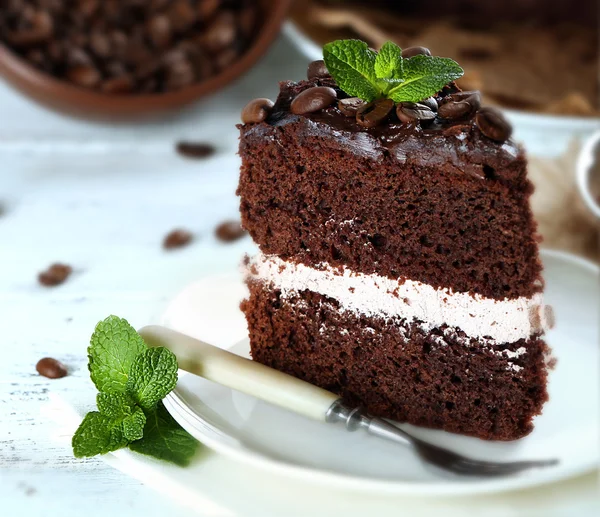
[65,97]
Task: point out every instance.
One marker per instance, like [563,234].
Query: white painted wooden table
[101,198]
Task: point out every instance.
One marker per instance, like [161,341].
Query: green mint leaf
[98,434]
[115,405]
[389,63]
[152,376]
[424,76]
[165,439]
[352,64]
[133,425]
[113,347]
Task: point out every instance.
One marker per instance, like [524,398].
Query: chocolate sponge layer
[436,379]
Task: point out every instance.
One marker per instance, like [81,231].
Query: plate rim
[185,415]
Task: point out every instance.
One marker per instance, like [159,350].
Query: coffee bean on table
[51,368]
[256,111]
[55,275]
[313,99]
[317,70]
[177,239]
[415,51]
[492,123]
[350,106]
[410,112]
[374,113]
[195,149]
[229,231]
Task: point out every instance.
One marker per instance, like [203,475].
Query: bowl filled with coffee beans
[125,59]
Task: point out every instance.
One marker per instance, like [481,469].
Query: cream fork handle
[241,374]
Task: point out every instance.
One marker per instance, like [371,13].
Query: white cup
[585,165]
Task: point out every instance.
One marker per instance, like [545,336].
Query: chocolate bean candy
[317,70]
[313,99]
[51,368]
[350,106]
[374,113]
[415,51]
[492,123]
[410,112]
[256,111]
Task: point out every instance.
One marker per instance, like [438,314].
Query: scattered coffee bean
[313,99]
[177,239]
[372,114]
[317,70]
[415,51]
[492,123]
[229,231]
[195,149]
[257,111]
[51,368]
[55,275]
[350,106]
[431,103]
[410,112]
[91,42]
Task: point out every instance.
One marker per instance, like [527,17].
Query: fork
[260,381]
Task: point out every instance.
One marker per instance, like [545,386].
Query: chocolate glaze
[458,143]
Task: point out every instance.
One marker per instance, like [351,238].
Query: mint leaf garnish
[424,76]
[352,64]
[133,425]
[165,439]
[98,434]
[152,376]
[113,347]
[132,379]
[369,75]
[388,63]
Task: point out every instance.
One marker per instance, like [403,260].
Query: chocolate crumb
[177,239]
[55,275]
[195,149]
[51,368]
[229,231]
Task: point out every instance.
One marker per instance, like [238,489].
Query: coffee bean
[84,75]
[55,275]
[459,105]
[431,103]
[472,97]
[181,15]
[256,111]
[195,149]
[118,85]
[313,99]
[100,44]
[221,32]
[207,8]
[224,58]
[177,239]
[247,19]
[410,112]
[229,231]
[159,30]
[39,30]
[415,51]
[372,114]
[179,75]
[350,106]
[51,368]
[492,123]
[317,70]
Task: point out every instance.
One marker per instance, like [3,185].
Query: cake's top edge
[449,112]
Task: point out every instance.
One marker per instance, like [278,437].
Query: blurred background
[118,162]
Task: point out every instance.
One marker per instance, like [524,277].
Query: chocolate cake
[398,262]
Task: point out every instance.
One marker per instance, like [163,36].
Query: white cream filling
[503,321]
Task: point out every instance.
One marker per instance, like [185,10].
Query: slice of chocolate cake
[398,262]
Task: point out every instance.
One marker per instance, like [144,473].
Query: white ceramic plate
[543,135]
[267,437]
